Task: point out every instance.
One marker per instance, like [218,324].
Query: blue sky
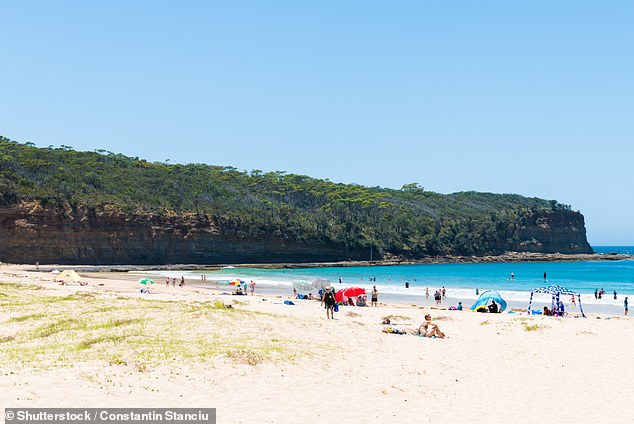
[534,98]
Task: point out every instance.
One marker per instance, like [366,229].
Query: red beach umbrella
[353,292]
[339,296]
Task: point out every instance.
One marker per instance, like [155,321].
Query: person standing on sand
[437,297]
[625,305]
[444,292]
[375,296]
[614,294]
[252,285]
[329,302]
[427,293]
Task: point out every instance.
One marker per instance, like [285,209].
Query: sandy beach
[261,361]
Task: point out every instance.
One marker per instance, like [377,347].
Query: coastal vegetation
[44,331]
[251,205]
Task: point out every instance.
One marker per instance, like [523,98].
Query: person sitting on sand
[560,308]
[493,307]
[428,329]
[547,311]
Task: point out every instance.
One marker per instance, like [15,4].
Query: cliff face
[31,232]
[547,232]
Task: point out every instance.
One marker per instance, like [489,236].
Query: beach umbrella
[303,286]
[339,297]
[146,281]
[353,291]
[236,282]
[320,284]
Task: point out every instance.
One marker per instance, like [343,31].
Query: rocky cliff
[85,235]
[547,232]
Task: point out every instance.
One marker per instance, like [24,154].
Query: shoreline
[508,257]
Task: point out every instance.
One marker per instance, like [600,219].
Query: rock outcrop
[547,232]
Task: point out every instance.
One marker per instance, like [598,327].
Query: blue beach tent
[485,297]
[555,290]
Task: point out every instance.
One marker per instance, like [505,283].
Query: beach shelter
[485,297]
[555,290]
[68,275]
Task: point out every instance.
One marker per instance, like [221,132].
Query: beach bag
[336,307]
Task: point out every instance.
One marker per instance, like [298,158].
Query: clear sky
[534,98]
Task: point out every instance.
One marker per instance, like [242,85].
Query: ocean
[459,280]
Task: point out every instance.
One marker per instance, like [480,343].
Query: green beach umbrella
[146,281]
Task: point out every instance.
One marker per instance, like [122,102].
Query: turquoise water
[461,280]
[626,250]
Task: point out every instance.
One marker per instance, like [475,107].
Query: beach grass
[40,330]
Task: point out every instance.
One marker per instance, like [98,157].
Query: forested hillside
[410,222]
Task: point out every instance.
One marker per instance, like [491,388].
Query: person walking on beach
[167,282]
[329,302]
[625,305]
[444,292]
[437,297]
[252,286]
[427,293]
[375,296]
